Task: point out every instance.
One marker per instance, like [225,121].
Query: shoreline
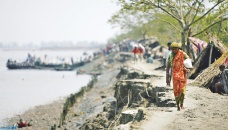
[48,114]
[55,80]
[202,110]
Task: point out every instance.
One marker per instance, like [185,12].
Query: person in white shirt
[166,55]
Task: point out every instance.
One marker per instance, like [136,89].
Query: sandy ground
[203,110]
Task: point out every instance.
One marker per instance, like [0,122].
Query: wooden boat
[63,69]
[23,65]
[19,66]
[41,66]
[59,67]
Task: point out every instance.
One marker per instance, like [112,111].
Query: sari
[178,75]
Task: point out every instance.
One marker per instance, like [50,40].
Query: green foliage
[153,28]
[164,31]
[220,29]
[187,15]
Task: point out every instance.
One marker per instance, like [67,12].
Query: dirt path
[203,110]
[160,118]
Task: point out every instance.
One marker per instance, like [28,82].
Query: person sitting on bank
[222,84]
[22,123]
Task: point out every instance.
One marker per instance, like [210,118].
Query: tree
[132,21]
[141,25]
[187,13]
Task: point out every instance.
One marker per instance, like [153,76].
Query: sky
[36,21]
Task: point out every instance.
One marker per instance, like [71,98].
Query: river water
[21,90]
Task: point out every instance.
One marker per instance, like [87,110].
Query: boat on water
[59,66]
[69,68]
[43,66]
[22,65]
[46,63]
[64,68]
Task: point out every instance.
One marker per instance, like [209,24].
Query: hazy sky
[35,21]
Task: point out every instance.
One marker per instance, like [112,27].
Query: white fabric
[188,63]
[140,45]
[166,54]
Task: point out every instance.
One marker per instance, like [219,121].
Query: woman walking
[176,63]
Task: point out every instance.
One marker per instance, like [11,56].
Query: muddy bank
[135,91]
[46,116]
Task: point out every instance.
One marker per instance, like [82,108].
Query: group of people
[138,52]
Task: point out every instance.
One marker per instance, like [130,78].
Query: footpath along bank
[135,96]
[143,101]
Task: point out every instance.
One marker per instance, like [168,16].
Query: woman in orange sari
[176,63]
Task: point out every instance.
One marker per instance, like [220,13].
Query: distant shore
[50,48]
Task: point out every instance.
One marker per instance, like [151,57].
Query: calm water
[24,89]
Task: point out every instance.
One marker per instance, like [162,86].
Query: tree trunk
[183,36]
[189,49]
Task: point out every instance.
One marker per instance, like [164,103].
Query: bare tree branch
[190,10]
[166,11]
[220,26]
[219,2]
[174,9]
[181,11]
[168,23]
[219,16]
[197,10]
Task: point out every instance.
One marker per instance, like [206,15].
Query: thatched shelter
[203,71]
[208,56]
